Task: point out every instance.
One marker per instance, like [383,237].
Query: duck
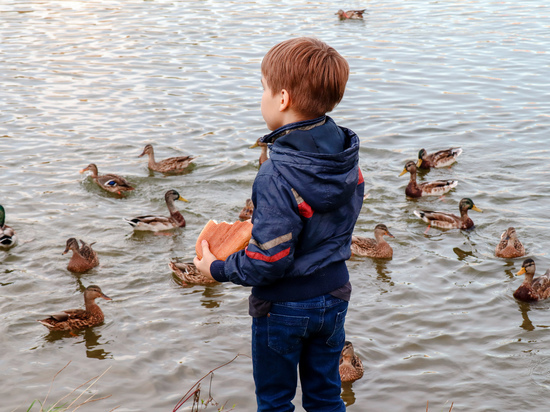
[8,237]
[155,223]
[263,148]
[350,14]
[434,188]
[374,248]
[170,165]
[84,257]
[351,367]
[448,220]
[509,245]
[109,182]
[79,318]
[441,158]
[247,210]
[188,273]
[532,289]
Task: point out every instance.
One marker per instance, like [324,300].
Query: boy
[306,197]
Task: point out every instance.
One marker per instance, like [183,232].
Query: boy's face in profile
[271,108]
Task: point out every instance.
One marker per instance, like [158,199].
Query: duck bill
[254,145]
[66,251]
[403,172]
[83,170]
[477,209]
[389,234]
[143,154]
[419,163]
[182,199]
[104,296]
[521,272]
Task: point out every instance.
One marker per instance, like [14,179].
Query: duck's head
[147,150]
[172,195]
[511,233]
[94,292]
[91,168]
[72,244]
[527,267]
[383,230]
[409,167]
[347,352]
[466,204]
[421,155]
[2,216]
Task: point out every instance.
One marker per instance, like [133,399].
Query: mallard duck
[350,14]
[79,318]
[351,367]
[531,289]
[263,153]
[156,223]
[248,209]
[110,182]
[84,258]
[374,248]
[434,188]
[170,165]
[441,158]
[188,273]
[448,220]
[8,237]
[509,245]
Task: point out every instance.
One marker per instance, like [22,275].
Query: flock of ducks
[85,258]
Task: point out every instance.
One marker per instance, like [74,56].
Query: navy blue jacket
[307,198]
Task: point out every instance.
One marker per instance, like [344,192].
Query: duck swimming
[434,188]
[109,182]
[532,289]
[157,223]
[350,14]
[441,158]
[374,248]
[84,257]
[187,272]
[170,165]
[509,245]
[8,237]
[79,318]
[247,210]
[263,153]
[448,220]
[351,367]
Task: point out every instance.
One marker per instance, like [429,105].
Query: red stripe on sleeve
[361,180]
[274,258]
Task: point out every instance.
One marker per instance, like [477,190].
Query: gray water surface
[95,81]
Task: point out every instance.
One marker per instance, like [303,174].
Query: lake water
[94,81]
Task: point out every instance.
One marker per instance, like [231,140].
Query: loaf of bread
[224,238]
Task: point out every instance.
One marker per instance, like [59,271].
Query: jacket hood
[319,159]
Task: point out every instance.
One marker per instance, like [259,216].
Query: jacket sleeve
[277,226]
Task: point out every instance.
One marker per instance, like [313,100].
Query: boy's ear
[285,100]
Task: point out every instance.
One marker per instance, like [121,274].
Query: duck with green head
[444,220]
[8,237]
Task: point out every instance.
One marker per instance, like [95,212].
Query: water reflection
[90,337]
[212,297]
[347,395]
[527,324]
[462,254]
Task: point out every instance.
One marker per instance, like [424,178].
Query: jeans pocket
[284,333]
[338,336]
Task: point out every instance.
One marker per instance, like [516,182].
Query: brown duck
[448,220]
[350,14]
[263,153]
[156,223]
[532,289]
[434,188]
[374,248]
[247,210]
[188,273]
[79,318]
[351,367]
[170,165]
[84,257]
[440,158]
[109,182]
[509,245]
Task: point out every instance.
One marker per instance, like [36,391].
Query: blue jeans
[307,335]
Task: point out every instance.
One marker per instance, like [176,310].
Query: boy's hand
[203,265]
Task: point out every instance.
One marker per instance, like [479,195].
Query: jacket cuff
[217,270]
